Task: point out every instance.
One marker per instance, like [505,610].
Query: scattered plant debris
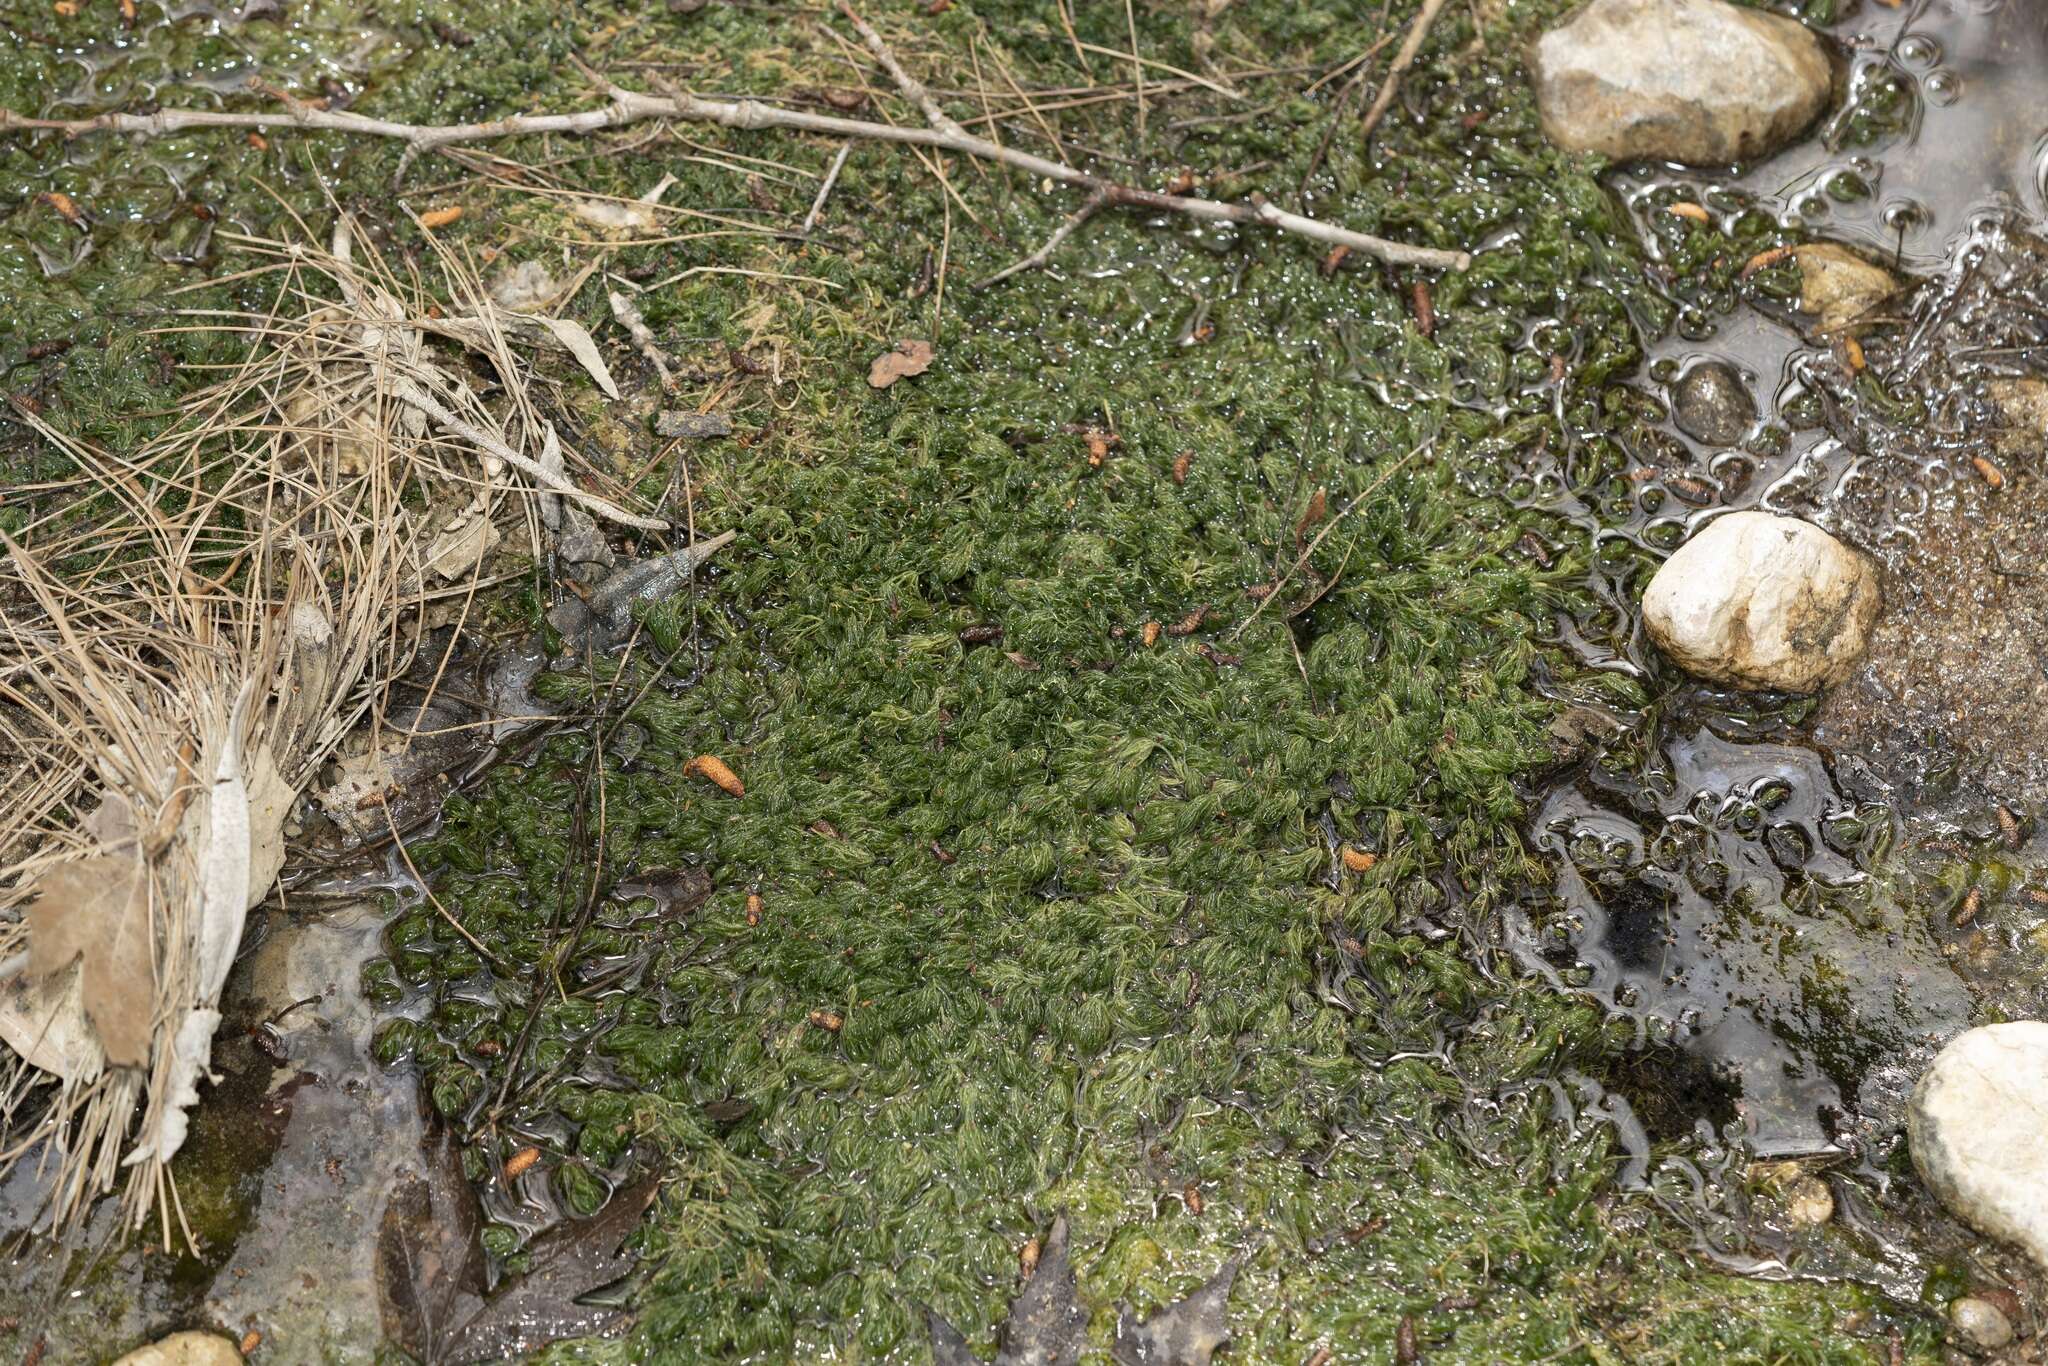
[430,1270]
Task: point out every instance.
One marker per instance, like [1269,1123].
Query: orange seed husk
[712,767]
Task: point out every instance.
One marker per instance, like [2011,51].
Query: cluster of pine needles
[189,629]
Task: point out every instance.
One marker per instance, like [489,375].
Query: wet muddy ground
[1097,877]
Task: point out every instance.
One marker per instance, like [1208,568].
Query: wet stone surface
[1947,486]
[1712,403]
[1700,891]
[1698,81]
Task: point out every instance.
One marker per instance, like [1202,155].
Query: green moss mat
[1071,900]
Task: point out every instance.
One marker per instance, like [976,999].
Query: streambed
[1084,919]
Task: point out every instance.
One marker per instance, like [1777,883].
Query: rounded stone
[1980,1323]
[1755,600]
[1975,1127]
[1809,1203]
[1699,81]
[185,1349]
[1838,287]
[1711,403]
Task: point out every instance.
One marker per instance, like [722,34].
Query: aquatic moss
[1072,899]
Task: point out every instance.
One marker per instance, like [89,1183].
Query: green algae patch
[1029,907]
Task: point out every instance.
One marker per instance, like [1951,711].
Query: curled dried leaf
[908,357]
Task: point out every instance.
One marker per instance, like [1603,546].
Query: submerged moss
[1058,922]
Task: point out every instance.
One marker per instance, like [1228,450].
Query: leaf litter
[1047,1326]
[908,357]
[431,1270]
[189,728]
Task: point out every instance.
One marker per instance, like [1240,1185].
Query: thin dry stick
[1137,67]
[632,106]
[1080,57]
[1370,489]
[1403,59]
[825,190]
[1095,204]
[631,319]
[1343,103]
[912,88]
[1113,193]
[434,901]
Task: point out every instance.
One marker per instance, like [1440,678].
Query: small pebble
[1979,1323]
[1808,1202]
[693,426]
[1710,403]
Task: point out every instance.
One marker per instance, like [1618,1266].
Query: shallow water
[1778,903]
[1711,865]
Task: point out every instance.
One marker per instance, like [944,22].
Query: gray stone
[1698,81]
[693,426]
[1980,1323]
[1710,403]
[1975,1127]
[1755,600]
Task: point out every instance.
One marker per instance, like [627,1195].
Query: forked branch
[633,106]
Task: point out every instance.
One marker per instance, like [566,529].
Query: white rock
[1976,1126]
[1809,1203]
[1698,81]
[185,1349]
[1761,601]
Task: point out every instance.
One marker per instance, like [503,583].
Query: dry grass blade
[249,578]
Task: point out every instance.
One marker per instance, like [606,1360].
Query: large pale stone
[1699,81]
[1761,601]
[185,1349]
[1976,1126]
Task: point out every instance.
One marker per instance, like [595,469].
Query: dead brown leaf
[1310,515]
[908,357]
[97,909]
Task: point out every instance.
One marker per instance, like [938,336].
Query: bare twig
[1403,59]
[1343,103]
[825,190]
[1137,67]
[912,88]
[632,106]
[1094,204]
[1109,192]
